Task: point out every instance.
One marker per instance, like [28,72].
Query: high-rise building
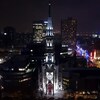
[68,31]
[39,30]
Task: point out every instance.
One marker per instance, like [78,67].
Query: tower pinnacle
[49,9]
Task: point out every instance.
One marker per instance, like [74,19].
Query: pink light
[94,54]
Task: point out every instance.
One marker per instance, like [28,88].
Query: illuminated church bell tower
[49,69]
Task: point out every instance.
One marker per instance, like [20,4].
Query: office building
[68,32]
[39,30]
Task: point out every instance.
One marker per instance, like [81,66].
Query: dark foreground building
[18,74]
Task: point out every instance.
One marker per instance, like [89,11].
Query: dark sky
[21,13]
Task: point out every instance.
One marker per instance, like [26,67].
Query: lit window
[52,58]
[50,44]
[47,44]
[46,58]
[94,35]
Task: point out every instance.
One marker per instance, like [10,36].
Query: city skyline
[21,14]
[42,64]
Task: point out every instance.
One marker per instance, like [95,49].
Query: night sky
[21,13]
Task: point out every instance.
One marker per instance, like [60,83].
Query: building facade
[68,31]
[39,30]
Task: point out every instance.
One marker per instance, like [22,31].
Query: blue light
[82,52]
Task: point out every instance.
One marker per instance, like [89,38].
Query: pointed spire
[49,9]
